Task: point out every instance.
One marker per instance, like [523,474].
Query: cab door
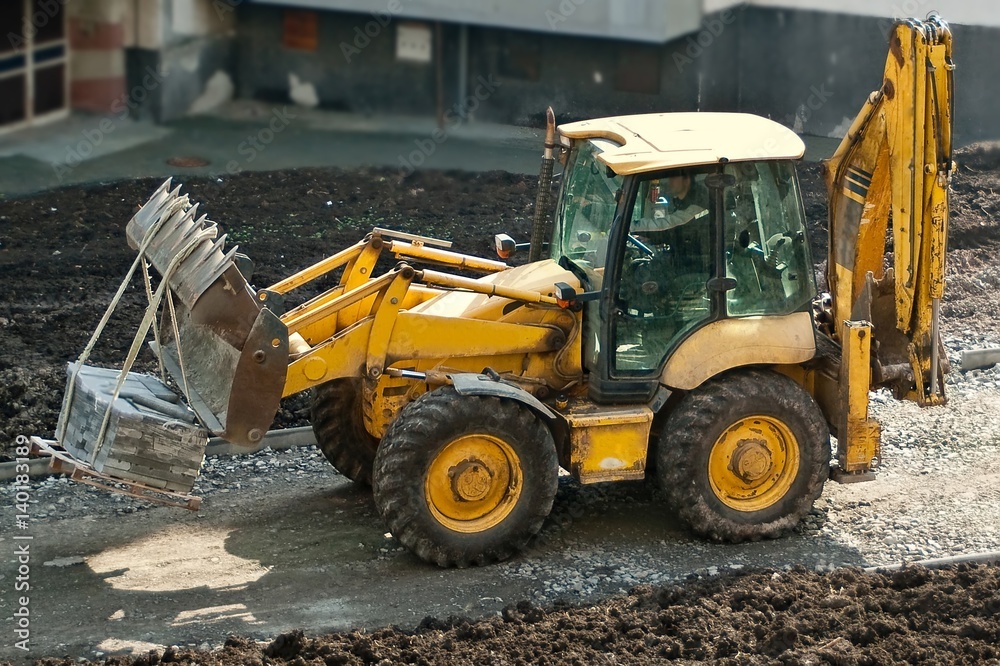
[739,250]
[667,261]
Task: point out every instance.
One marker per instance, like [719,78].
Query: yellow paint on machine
[608,442]
[858,444]
[732,343]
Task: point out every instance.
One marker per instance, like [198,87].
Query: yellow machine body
[603,374]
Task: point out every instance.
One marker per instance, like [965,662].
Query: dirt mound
[913,615]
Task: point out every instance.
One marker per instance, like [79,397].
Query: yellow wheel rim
[753,463]
[474,483]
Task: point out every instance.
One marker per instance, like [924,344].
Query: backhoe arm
[894,168]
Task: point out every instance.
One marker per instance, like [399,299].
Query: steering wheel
[645,286]
[643,249]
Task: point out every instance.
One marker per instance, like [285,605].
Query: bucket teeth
[216,333]
[166,225]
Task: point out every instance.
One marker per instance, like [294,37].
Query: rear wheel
[464,480]
[340,429]
[744,456]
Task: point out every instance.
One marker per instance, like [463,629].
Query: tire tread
[690,432]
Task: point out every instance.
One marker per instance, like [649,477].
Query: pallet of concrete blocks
[151,437]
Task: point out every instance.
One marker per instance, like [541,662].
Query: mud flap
[472,384]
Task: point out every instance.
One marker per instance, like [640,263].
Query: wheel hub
[751,461]
[473,483]
[470,480]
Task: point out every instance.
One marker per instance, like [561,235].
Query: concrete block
[141,444]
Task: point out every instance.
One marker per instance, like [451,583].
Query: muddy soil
[913,615]
[62,254]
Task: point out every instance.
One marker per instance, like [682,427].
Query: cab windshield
[586,210]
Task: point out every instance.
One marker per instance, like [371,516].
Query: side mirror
[505,246]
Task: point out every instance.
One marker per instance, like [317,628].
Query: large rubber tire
[744,456]
[465,480]
[340,429]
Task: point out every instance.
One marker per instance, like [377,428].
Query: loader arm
[893,169]
[235,352]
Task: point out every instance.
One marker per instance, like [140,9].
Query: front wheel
[339,427]
[744,456]
[463,480]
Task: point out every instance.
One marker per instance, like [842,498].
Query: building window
[33,63]
[520,57]
[638,69]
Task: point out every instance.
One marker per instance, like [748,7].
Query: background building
[806,63]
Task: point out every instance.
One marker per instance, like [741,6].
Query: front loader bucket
[225,351]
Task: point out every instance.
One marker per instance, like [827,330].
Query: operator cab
[673,246]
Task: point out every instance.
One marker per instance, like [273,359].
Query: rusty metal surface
[258,381]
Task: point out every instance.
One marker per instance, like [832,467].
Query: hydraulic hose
[539,227]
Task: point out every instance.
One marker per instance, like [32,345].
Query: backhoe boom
[894,167]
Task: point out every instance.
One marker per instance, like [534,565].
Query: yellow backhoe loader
[670,320]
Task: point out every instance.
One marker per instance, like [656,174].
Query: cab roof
[656,141]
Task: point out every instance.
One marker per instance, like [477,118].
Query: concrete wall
[981,13]
[977,50]
[812,71]
[355,68]
[347,72]
[180,56]
[581,77]
[643,20]
[808,70]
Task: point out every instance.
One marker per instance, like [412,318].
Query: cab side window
[766,248]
